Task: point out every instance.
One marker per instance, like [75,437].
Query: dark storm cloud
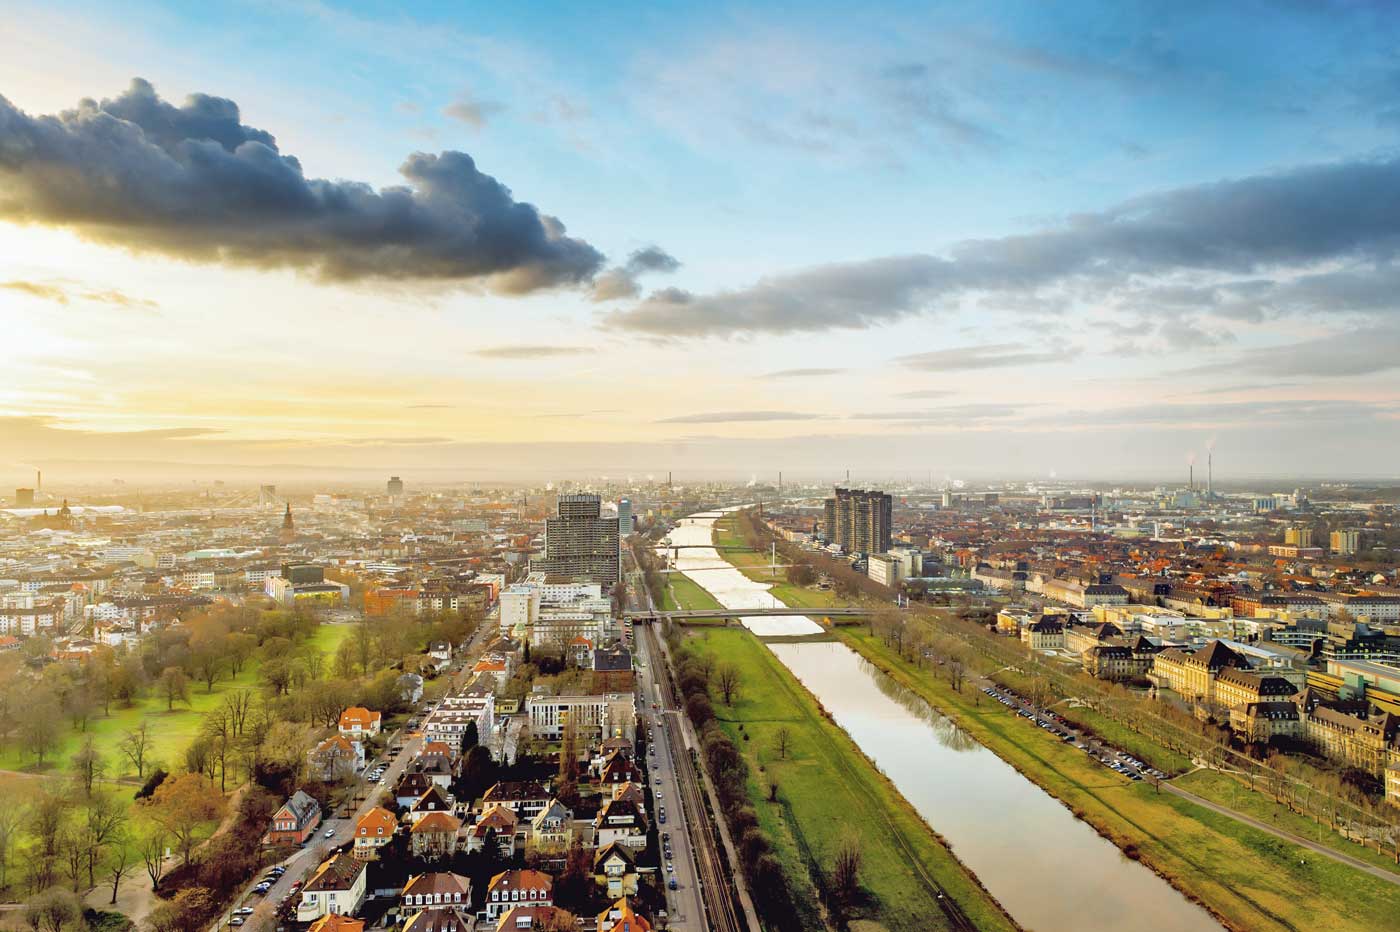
[195,183]
[986,356]
[621,281]
[737,417]
[1347,213]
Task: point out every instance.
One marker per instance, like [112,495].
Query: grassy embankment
[1250,879]
[823,775]
[172,730]
[1227,790]
[828,791]
[757,567]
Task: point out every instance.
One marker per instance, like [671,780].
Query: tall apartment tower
[579,543]
[829,520]
[862,520]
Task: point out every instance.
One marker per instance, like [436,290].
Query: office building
[579,543]
[861,520]
[624,516]
[395,487]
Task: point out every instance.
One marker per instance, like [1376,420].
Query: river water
[1052,872]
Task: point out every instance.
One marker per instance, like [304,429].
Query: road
[685,904]
[302,862]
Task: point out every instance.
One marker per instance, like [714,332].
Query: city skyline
[967,241]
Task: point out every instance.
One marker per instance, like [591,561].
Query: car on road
[671,883]
[236,921]
[330,833]
[243,911]
[262,888]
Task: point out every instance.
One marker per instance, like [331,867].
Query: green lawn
[1227,790]
[1249,878]
[171,730]
[829,791]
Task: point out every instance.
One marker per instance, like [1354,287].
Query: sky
[474,240]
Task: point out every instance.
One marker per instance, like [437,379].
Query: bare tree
[135,745]
[88,766]
[152,850]
[784,741]
[174,686]
[845,872]
[727,678]
[119,864]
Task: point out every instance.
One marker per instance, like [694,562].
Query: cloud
[38,290]
[64,294]
[1362,351]
[1262,231]
[926,393]
[986,356]
[528,351]
[948,415]
[472,110]
[621,281]
[799,373]
[739,417]
[196,183]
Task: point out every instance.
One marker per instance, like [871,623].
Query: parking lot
[1118,761]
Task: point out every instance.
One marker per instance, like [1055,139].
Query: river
[1052,872]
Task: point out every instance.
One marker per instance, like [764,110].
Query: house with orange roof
[336,758]
[357,721]
[374,830]
[434,836]
[335,922]
[621,917]
[509,889]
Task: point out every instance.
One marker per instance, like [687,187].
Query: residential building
[434,836]
[374,830]
[294,821]
[334,759]
[518,888]
[338,886]
[359,722]
[862,520]
[439,890]
[592,716]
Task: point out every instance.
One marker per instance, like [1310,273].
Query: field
[171,730]
[827,792]
[1249,878]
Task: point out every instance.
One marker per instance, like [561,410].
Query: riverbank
[828,792]
[1250,880]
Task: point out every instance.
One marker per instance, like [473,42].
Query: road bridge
[687,614]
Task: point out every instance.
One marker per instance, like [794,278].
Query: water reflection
[1052,872]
